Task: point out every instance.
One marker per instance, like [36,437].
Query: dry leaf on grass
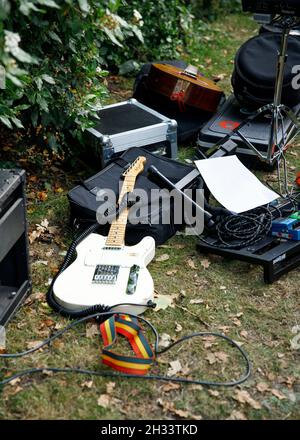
[197,301]
[262,387]
[172,272]
[110,386]
[205,263]
[170,387]
[178,327]
[221,356]
[163,257]
[87,384]
[191,263]
[169,407]
[91,330]
[278,394]
[15,381]
[106,401]
[33,344]
[237,415]
[34,297]
[164,301]
[243,397]
[175,367]
[214,393]
[219,77]
[211,358]
[164,340]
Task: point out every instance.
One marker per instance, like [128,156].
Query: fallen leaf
[180,413]
[214,393]
[91,330]
[170,387]
[178,327]
[47,323]
[205,263]
[262,387]
[33,344]
[169,407]
[221,356]
[211,358]
[191,263]
[88,384]
[164,301]
[48,373]
[163,257]
[219,77]
[278,394]
[42,195]
[110,386]
[243,397]
[236,322]
[197,301]
[171,272]
[175,367]
[237,415]
[104,400]
[15,381]
[164,340]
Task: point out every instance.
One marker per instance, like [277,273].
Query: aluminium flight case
[15,280]
[131,124]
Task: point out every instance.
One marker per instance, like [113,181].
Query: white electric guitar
[107,272]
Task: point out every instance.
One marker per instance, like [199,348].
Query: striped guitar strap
[128,327]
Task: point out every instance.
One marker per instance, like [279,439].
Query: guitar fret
[118,227]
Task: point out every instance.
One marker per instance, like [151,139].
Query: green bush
[212,8]
[165,27]
[51,52]
[56,53]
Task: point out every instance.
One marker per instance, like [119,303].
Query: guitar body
[191,89]
[107,276]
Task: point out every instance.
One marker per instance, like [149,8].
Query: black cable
[99,312]
[237,231]
[104,373]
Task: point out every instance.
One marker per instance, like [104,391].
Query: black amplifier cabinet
[15,281]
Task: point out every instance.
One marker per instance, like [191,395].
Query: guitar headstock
[136,168]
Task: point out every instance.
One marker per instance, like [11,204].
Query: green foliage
[53,59]
[165,26]
[213,8]
[55,54]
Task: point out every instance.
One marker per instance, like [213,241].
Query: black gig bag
[84,204]
[254,75]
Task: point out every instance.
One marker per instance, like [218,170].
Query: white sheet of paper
[233,185]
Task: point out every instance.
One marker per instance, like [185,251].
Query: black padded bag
[254,75]
[189,122]
[83,203]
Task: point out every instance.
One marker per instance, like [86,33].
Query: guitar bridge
[106,274]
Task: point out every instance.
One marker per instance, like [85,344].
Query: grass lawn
[227,296]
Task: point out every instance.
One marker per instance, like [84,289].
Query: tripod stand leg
[290,114]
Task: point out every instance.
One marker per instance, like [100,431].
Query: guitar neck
[116,236]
